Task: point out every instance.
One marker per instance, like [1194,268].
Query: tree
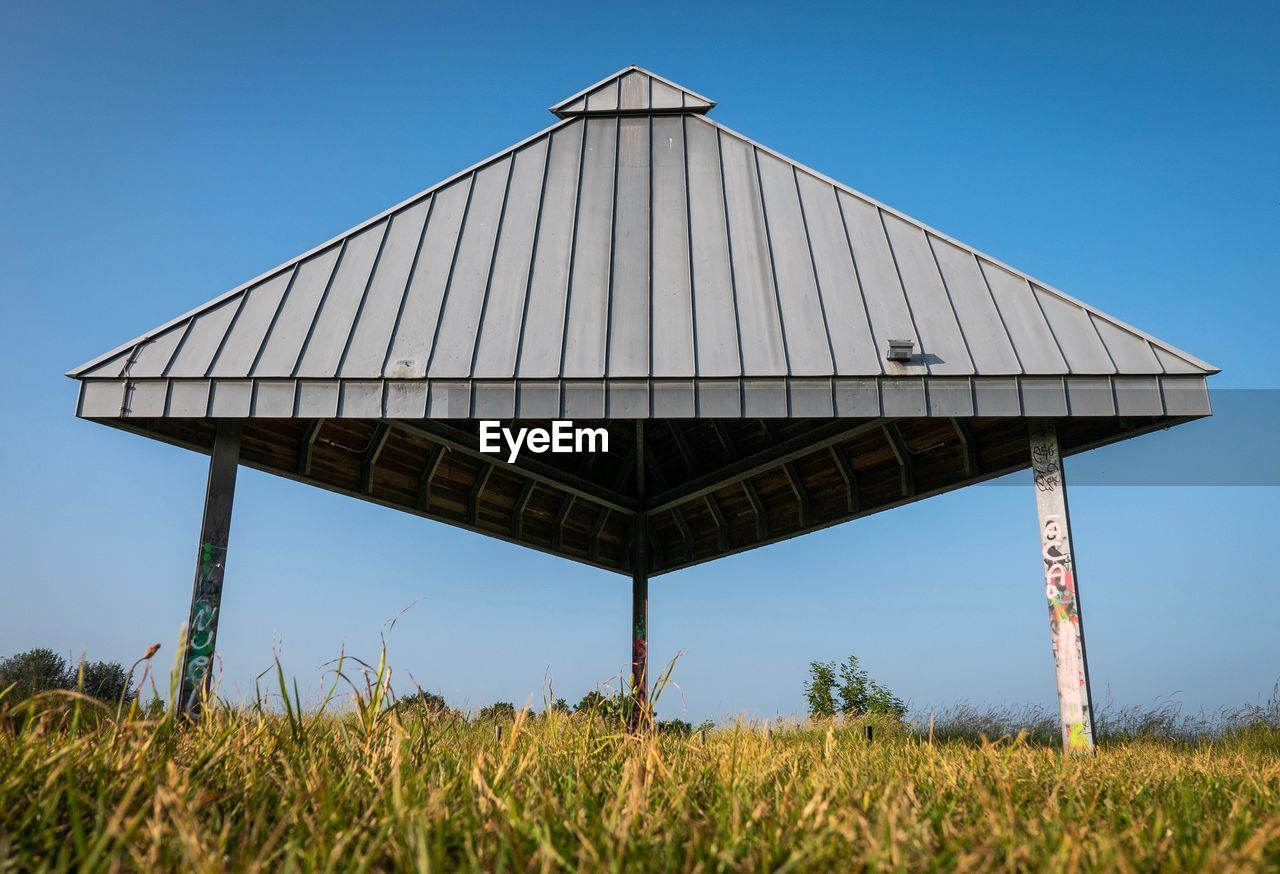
[856,692]
[34,671]
[40,670]
[822,677]
[853,688]
[498,711]
[426,703]
[106,681]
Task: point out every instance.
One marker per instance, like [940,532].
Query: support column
[206,599]
[639,597]
[1066,626]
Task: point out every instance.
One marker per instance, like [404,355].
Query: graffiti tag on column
[203,627]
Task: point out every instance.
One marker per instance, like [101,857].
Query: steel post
[639,598]
[1066,626]
[206,599]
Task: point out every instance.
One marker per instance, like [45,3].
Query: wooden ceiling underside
[712,487]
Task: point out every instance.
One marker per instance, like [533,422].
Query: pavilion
[770,351]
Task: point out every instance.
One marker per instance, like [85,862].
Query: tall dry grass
[90,787]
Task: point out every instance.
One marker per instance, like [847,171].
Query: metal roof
[636,242]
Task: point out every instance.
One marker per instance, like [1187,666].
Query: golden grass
[377,789]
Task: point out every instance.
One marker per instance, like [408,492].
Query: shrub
[856,692]
[499,711]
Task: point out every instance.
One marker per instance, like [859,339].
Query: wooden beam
[597,530]
[797,487]
[900,452]
[845,468]
[308,447]
[686,535]
[717,516]
[522,504]
[791,449]
[682,446]
[477,490]
[757,507]
[211,562]
[726,442]
[970,446]
[370,459]
[434,457]
[468,444]
[626,473]
[557,526]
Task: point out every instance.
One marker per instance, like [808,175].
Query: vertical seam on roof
[1106,350]
[893,256]
[857,278]
[986,283]
[1035,298]
[533,258]
[813,266]
[244,295]
[275,316]
[968,351]
[364,295]
[453,263]
[688,232]
[649,251]
[728,237]
[613,243]
[408,283]
[493,260]
[315,316]
[182,341]
[773,268]
[573,247]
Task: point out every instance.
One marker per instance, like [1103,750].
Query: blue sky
[155,156]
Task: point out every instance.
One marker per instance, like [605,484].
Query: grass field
[373,787]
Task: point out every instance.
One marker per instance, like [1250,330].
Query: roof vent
[900,350]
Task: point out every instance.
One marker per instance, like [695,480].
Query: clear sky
[155,156]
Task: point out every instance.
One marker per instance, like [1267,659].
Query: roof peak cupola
[633,90]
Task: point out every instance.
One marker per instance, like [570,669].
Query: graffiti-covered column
[1066,626]
[206,599]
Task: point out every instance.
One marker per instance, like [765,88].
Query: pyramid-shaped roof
[639,239]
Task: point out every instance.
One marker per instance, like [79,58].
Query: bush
[424,703]
[856,692]
[42,670]
[499,711]
[33,672]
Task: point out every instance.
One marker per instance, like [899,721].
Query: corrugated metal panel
[455,343]
[803,322]
[672,286]
[499,331]
[941,344]
[629,304]
[759,325]
[638,243]
[586,323]
[542,339]
[367,349]
[336,314]
[878,278]
[293,319]
[716,316]
[416,326]
[985,337]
